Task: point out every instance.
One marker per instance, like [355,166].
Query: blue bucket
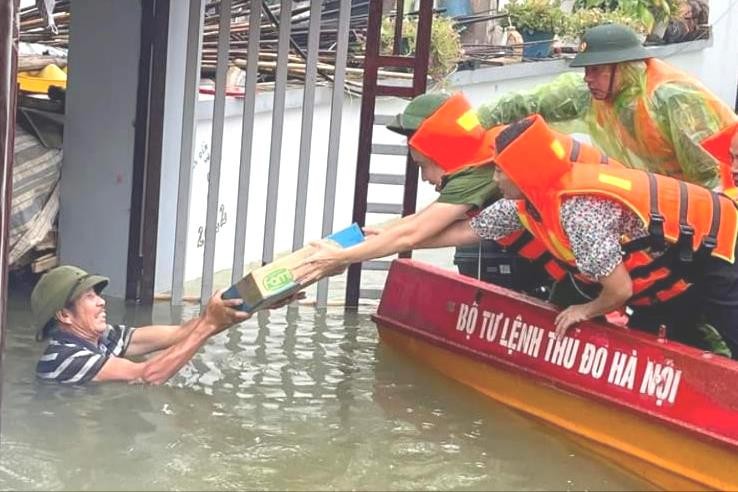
[537,43]
[455,8]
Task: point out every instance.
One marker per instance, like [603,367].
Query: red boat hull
[664,410]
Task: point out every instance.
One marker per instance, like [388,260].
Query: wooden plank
[43,263]
[29,63]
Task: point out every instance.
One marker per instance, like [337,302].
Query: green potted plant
[445,45]
[581,20]
[654,15]
[538,21]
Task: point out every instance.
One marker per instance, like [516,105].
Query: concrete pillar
[99,137]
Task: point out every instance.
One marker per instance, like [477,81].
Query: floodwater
[295,399]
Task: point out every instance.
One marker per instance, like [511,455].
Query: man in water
[69,311]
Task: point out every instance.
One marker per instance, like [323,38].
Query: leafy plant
[647,12]
[445,45]
[583,19]
[537,15]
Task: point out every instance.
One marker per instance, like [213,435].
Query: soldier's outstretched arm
[563,99]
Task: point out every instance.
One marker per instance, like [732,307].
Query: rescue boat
[660,409]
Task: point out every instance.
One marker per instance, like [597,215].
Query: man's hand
[326,260]
[570,316]
[616,290]
[220,313]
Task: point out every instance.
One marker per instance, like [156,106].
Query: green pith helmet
[609,43]
[57,288]
[417,111]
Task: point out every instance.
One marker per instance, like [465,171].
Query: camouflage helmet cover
[609,43]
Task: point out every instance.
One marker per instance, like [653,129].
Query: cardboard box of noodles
[274,282]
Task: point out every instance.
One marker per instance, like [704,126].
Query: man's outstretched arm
[564,98]
[219,315]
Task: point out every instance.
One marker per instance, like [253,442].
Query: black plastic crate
[501,268]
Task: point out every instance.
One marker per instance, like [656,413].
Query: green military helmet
[609,43]
[417,111]
[57,288]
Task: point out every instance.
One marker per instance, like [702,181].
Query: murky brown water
[296,399]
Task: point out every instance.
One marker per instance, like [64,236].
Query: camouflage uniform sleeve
[564,98]
[685,118]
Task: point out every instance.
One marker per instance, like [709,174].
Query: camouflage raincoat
[655,122]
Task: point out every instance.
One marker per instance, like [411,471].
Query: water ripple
[289,400]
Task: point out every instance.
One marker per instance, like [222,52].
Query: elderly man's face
[734,157]
[87,314]
[598,78]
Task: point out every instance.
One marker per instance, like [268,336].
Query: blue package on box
[271,283]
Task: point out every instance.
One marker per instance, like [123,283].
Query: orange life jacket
[646,138]
[681,218]
[718,146]
[525,244]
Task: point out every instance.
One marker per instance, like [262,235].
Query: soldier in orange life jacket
[639,110]
[454,153]
[662,246]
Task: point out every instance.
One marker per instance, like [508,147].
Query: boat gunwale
[639,337]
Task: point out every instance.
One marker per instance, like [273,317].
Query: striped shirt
[69,359]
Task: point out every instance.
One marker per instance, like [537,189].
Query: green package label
[278,279]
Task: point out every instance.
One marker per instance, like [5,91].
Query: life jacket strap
[531,210]
[575,150]
[656,220]
[518,244]
[636,245]
[709,242]
[686,231]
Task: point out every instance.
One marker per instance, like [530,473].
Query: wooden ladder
[373,62]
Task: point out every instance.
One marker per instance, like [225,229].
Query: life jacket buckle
[709,243]
[656,231]
[686,235]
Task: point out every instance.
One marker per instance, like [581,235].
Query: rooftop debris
[495,46]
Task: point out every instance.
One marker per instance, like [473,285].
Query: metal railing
[252,72]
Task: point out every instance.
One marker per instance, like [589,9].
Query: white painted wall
[99,136]
[287,181]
